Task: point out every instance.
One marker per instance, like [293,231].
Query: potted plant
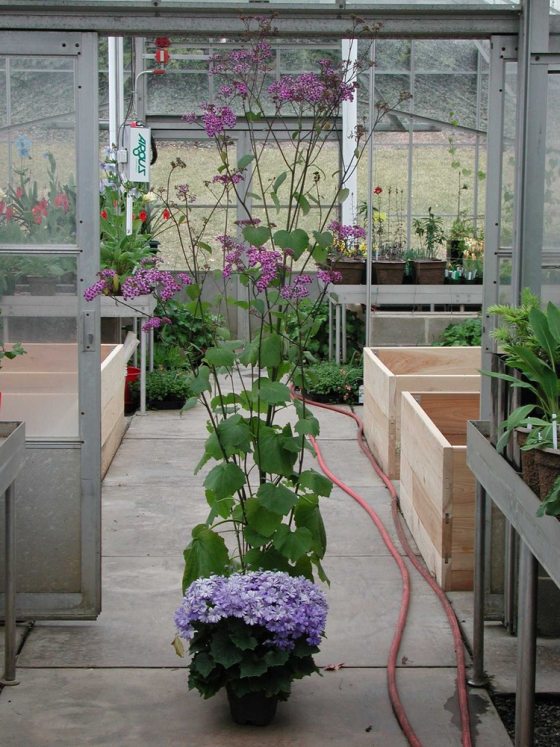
[42,273]
[329,382]
[166,389]
[428,267]
[531,348]
[346,254]
[253,634]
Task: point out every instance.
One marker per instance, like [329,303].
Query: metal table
[391,295]
[539,542]
[12,457]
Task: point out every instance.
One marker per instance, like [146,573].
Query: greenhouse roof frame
[294,20]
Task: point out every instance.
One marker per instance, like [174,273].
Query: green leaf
[234,435]
[277,498]
[249,356]
[205,554]
[273,452]
[315,482]
[279,181]
[253,116]
[202,663]
[220,506]
[266,560]
[343,194]
[303,202]
[307,426]
[553,314]
[220,357]
[271,392]
[276,657]
[296,240]
[242,637]
[307,514]
[190,404]
[541,330]
[201,382]
[260,519]
[244,161]
[275,200]
[252,666]
[204,246]
[256,235]
[225,479]
[223,400]
[323,240]
[224,651]
[293,545]
[271,351]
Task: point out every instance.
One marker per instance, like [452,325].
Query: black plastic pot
[253,709]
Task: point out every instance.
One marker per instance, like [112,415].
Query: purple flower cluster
[297,290]
[325,90]
[344,233]
[329,276]
[224,179]
[288,607]
[269,260]
[242,61]
[217,119]
[148,279]
[101,287]
[155,322]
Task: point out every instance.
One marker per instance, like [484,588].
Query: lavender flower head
[288,607]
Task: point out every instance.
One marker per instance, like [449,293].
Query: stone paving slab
[20,633]
[145,708]
[500,651]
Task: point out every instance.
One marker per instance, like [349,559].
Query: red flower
[9,213]
[162,42]
[19,192]
[143,216]
[37,214]
[104,214]
[377,191]
[61,201]
[166,214]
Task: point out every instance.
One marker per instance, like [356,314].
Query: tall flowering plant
[261,493]
[252,632]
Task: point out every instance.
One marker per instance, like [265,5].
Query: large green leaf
[256,235]
[221,356]
[279,181]
[271,392]
[250,354]
[553,314]
[277,498]
[307,514]
[266,560]
[201,382]
[205,554]
[314,481]
[260,518]
[220,506]
[252,666]
[303,202]
[225,479]
[272,454]
[241,635]
[541,330]
[296,240]
[271,351]
[234,435]
[244,161]
[308,426]
[323,240]
[343,194]
[224,651]
[293,544]
[202,663]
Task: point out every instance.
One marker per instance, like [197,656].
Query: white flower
[149,197]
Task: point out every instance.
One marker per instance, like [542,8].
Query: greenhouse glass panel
[551,237]
[441,97]
[37,153]
[444,55]
[508,156]
[39,309]
[392,55]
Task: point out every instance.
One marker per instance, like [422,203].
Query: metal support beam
[478,677]
[527,649]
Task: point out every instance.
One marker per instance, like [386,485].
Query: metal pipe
[478,677]
[143,336]
[10,651]
[526,653]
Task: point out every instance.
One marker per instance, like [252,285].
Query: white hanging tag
[554,431]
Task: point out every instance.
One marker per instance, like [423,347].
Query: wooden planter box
[437,489]
[390,371]
[41,388]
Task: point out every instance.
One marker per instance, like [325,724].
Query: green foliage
[193,329]
[330,382]
[551,504]
[165,384]
[430,231]
[310,324]
[234,655]
[467,332]
[11,353]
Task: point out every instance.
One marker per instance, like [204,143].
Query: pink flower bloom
[61,201]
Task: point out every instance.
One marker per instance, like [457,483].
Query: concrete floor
[117,681]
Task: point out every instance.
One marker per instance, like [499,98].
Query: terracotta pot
[254,709]
[548,464]
[429,271]
[388,271]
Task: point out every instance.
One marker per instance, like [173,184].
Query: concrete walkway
[117,681]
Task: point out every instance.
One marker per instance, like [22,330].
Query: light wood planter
[41,388]
[437,489]
[390,371]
